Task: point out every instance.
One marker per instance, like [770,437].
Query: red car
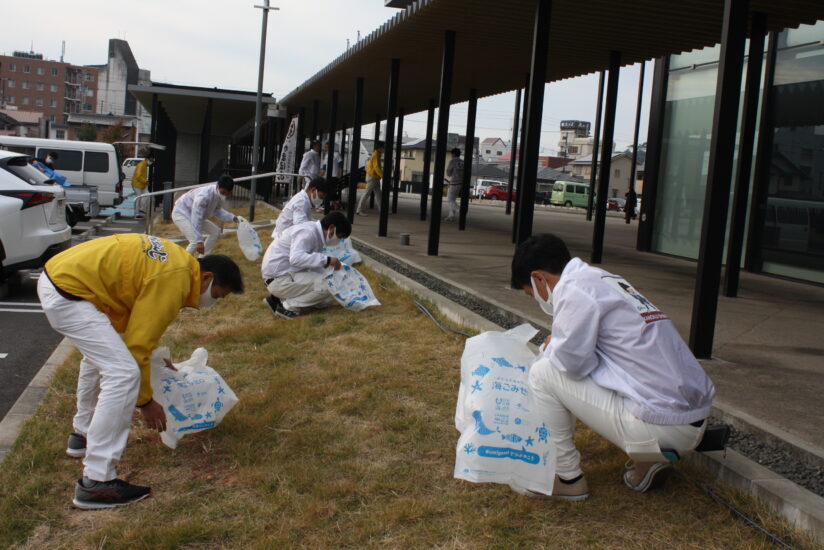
[498,192]
[616,204]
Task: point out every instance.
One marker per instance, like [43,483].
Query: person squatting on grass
[299,208]
[192,212]
[293,266]
[613,361]
[134,285]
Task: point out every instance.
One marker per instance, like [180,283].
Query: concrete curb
[800,507]
[28,402]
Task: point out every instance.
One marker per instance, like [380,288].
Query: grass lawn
[343,438]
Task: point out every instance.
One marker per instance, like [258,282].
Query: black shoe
[272,303]
[76,447]
[285,313]
[107,494]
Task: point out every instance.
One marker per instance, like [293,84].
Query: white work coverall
[191,213]
[298,210]
[293,267]
[617,364]
[310,164]
[455,174]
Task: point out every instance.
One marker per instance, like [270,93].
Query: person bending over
[614,362]
[299,208]
[293,266]
[192,212]
[113,298]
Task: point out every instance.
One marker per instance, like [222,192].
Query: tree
[113,133]
[87,132]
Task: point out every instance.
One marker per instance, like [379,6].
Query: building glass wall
[791,241]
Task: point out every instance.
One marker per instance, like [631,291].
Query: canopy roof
[494,46]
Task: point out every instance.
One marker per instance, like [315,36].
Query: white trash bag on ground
[344,252]
[248,240]
[502,440]
[194,398]
[350,288]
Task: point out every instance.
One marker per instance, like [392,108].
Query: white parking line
[22,310]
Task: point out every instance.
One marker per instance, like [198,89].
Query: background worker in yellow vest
[134,285]
[140,182]
[374,173]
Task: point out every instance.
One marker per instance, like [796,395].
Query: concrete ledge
[800,507]
[29,401]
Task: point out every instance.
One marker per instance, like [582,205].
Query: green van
[569,193]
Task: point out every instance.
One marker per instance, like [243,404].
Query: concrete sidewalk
[767,362]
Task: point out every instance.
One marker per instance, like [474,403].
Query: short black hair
[150,155]
[456,152]
[226,272]
[313,143]
[339,220]
[379,145]
[546,252]
[53,155]
[226,182]
[320,184]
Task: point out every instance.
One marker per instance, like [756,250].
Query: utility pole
[258,108]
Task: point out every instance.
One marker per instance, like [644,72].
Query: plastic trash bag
[248,240]
[502,440]
[344,252]
[350,288]
[194,398]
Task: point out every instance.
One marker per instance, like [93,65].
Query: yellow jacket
[373,167]
[140,176]
[139,282]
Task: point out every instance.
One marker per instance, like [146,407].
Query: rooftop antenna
[63,51]
[358,36]
[347,43]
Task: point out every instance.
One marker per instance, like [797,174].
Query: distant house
[620,167]
[492,149]
[21,123]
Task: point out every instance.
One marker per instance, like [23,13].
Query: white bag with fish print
[350,288]
[502,439]
[248,240]
[194,397]
[344,252]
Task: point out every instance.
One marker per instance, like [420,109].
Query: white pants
[209,230]
[140,206]
[300,290]
[373,185]
[108,383]
[560,400]
[452,194]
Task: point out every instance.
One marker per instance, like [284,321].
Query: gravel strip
[772,457]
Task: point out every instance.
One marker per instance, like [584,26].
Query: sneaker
[139,217]
[643,476]
[364,214]
[285,313]
[272,303]
[107,494]
[576,491]
[76,447]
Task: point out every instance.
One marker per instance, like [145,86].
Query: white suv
[32,216]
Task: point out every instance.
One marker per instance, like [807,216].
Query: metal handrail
[150,213]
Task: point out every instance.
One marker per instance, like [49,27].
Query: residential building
[620,168]
[492,149]
[55,89]
[575,141]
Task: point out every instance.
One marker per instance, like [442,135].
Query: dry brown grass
[343,438]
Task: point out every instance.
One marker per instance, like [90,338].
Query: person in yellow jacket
[131,285]
[374,173]
[140,182]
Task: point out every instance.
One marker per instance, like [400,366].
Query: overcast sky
[216,43]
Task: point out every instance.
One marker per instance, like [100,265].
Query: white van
[82,162]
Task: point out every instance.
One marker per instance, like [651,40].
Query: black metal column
[469,156]
[755,59]
[596,142]
[374,143]
[517,188]
[205,142]
[513,148]
[632,197]
[150,175]
[606,159]
[354,163]
[652,163]
[427,157]
[537,82]
[391,112]
[753,260]
[725,121]
[396,176]
[444,104]
[315,109]
[300,146]
[333,123]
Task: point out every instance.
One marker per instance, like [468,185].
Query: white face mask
[331,238]
[546,306]
[316,200]
[206,298]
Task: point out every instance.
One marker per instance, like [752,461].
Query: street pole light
[258,108]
